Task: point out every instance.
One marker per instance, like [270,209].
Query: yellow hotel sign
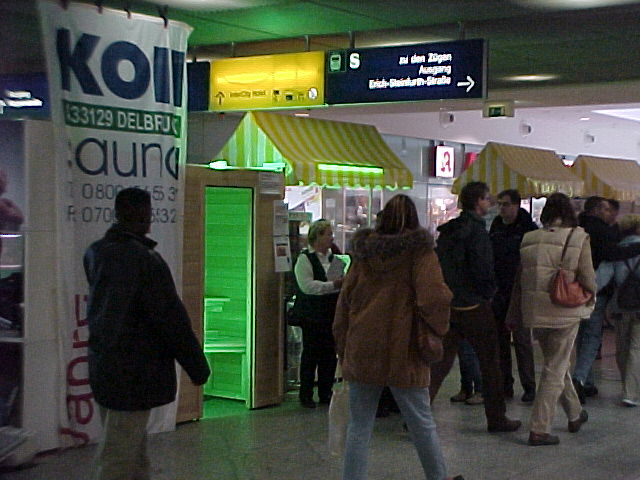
[289,80]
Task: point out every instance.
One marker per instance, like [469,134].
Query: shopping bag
[338,418]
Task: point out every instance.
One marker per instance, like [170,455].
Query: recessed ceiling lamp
[531,78]
[625,113]
[572,4]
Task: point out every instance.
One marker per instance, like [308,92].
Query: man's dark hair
[592,203]
[513,194]
[132,204]
[470,194]
[558,207]
[615,204]
[399,214]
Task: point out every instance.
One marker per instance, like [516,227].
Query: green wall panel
[227,287]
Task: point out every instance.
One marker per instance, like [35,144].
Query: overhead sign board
[290,80]
[428,71]
[198,75]
[24,96]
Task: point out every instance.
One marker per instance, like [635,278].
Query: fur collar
[368,244]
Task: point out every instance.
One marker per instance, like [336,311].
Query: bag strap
[564,249]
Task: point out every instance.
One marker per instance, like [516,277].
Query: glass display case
[442,206]
[348,209]
[11,325]
[11,285]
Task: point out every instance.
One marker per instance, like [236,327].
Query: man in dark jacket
[506,232]
[138,328]
[466,259]
[596,219]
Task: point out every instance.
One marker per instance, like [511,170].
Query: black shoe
[307,403]
[382,412]
[528,396]
[574,425]
[325,400]
[505,425]
[538,439]
[590,390]
[579,390]
[508,393]
[460,397]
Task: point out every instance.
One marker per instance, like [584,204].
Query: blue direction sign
[426,71]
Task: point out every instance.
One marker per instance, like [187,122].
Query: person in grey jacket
[138,328]
[466,257]
[627,322]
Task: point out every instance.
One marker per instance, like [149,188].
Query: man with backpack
[625,305]
[604,247]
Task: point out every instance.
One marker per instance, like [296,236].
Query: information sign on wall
[290,80]
[428,71]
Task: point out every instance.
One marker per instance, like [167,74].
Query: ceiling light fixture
[208,4]
[572,4]
[531,78]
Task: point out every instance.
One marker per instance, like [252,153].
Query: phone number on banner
[107,191]
[101,191]
[91,214]
[101,117]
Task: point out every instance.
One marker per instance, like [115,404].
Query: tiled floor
[288,442]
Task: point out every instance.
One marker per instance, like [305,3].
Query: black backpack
[629,290]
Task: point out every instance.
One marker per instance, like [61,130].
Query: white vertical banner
[118,88]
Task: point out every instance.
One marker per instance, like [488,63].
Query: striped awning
[533,172]
[609,177]
[316,152]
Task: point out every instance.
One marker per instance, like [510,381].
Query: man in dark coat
[506,233]
[466,258]
[138,328]
[596,219]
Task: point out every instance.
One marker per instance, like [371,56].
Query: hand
[511,324]
[337,283]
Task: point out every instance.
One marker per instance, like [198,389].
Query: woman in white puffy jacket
[555,327]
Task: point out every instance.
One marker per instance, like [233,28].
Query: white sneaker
[629,403]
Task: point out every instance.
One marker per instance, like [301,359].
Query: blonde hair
[629,224]
[316,229]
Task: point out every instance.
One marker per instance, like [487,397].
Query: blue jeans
[470,376]
[415,408]
[589,339]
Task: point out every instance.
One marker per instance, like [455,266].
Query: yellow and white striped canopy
[609,177]
[533,172]
[305,144]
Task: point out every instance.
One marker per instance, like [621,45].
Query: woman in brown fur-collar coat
[395,270]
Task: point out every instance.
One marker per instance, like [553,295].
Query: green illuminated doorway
[228,273]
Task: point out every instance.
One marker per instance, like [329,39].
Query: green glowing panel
[227,290]
[351,168]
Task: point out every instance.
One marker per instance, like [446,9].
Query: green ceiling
[580,46]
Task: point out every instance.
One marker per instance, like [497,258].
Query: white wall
[622,141]
[208,133]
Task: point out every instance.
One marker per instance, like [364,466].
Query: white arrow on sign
[469,83]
